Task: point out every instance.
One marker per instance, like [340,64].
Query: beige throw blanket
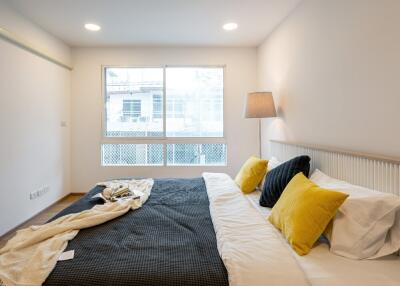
[29,257]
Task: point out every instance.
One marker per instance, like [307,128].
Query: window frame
[161,139]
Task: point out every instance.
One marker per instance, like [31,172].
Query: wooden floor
[42,217]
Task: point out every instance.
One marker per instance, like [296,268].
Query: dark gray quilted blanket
[169,241]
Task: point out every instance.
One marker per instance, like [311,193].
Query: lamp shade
[260,105]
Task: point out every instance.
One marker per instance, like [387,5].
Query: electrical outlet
[39,192]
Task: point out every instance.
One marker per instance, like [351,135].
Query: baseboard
[25,221]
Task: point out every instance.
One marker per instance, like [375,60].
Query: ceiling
[157,22]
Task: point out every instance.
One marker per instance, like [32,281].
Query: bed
[169,241]
[204,231]
[323,268]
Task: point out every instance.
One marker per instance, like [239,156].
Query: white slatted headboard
[371,171]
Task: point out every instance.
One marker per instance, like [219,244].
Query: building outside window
[157,106]
[132,108]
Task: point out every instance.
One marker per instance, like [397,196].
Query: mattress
[323,268]
[169,241]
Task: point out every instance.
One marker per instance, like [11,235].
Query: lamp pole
[259,135]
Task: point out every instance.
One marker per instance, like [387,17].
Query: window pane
[196,154]
[132,154]
[194,102]
[134,100]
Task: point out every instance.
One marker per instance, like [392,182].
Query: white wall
[334,69]
[34,99]
[13,22]
[87,100]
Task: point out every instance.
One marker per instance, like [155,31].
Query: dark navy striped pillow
[279,177]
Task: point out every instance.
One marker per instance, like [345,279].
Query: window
[190,93]
[130,95]
[132,108]
[132,154]
[196,154]
[175,109]
[135,102]
[157,106]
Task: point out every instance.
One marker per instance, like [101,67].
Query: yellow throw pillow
[303,212]
[251,174]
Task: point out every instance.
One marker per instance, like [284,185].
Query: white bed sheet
[251,249]
[323,268]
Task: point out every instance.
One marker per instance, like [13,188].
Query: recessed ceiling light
[92,27]
[230,26]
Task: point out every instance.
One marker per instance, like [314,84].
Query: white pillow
[272,163]
[367,225]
